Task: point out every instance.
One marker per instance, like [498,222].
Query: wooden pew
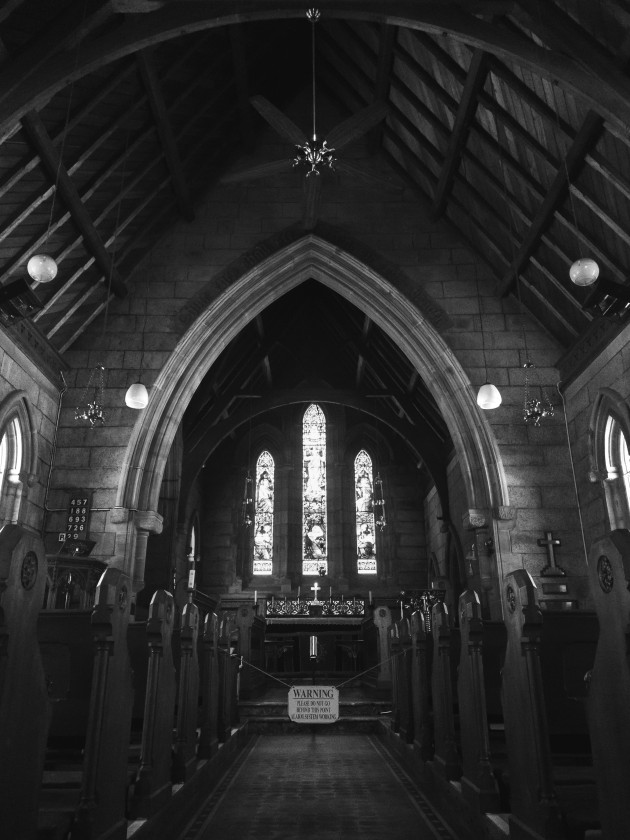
[251,647]
[102,807]
[445,644]
[609,693]
[24,704]
[479,785]
[67,648]
[153,783]
[208,739]
[401,653]
[534,804]
[185,747]
[420,686]
[228,674]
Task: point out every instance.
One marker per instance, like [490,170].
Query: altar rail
[302,608]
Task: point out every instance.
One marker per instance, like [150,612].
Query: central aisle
[316,785]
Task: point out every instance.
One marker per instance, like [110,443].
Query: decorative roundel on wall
[605,574]
[510,596]
[28,572]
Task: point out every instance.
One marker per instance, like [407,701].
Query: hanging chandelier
[90,406]
[534,410]
[314,154]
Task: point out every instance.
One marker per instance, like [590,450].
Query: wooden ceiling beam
[585,140]
[130,148]
[70,196]
[382,82]
[80,330]
[63,36]
[475,80]
[563,33]
[241,78]
[610,96]
[501,114]
[165,132]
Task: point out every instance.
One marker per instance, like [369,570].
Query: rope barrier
[345,682]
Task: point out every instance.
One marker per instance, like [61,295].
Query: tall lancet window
[364,495]
[314,558]
[263,516]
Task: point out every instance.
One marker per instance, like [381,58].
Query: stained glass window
[263,515]
[364,496]
[314,558]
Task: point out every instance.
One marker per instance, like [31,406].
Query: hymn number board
[78,516]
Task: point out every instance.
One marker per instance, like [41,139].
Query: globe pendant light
[584,272]
[137,396]
[42,268]
[489,396]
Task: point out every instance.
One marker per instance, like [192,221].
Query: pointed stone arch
[271,270]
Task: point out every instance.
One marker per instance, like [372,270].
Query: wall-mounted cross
[551,569]
[316,587]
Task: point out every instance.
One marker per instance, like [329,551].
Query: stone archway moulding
[249,293]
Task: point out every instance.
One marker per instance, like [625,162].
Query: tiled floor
[328,786]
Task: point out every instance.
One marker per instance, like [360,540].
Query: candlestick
[299,590]
[370,597]
[401,610]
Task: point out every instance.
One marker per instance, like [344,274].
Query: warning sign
[314,704]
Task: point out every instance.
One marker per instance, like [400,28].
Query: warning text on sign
[314,704]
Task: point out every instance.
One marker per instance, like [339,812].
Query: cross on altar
[316,589]
[551,569]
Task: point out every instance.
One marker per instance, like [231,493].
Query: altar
[337,622]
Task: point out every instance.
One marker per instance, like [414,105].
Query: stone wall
[486,335]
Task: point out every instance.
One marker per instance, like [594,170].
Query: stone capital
[149,520]
[474,519]
[505,513]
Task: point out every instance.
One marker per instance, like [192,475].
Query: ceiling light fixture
[488,396]
[137,396]
[313,153]
[42,268]
[584,271]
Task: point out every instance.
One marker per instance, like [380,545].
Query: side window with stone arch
[364,513]
[263,514]
[610,454]
[314,539]
[18,455]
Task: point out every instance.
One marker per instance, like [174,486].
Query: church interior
[314,419]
